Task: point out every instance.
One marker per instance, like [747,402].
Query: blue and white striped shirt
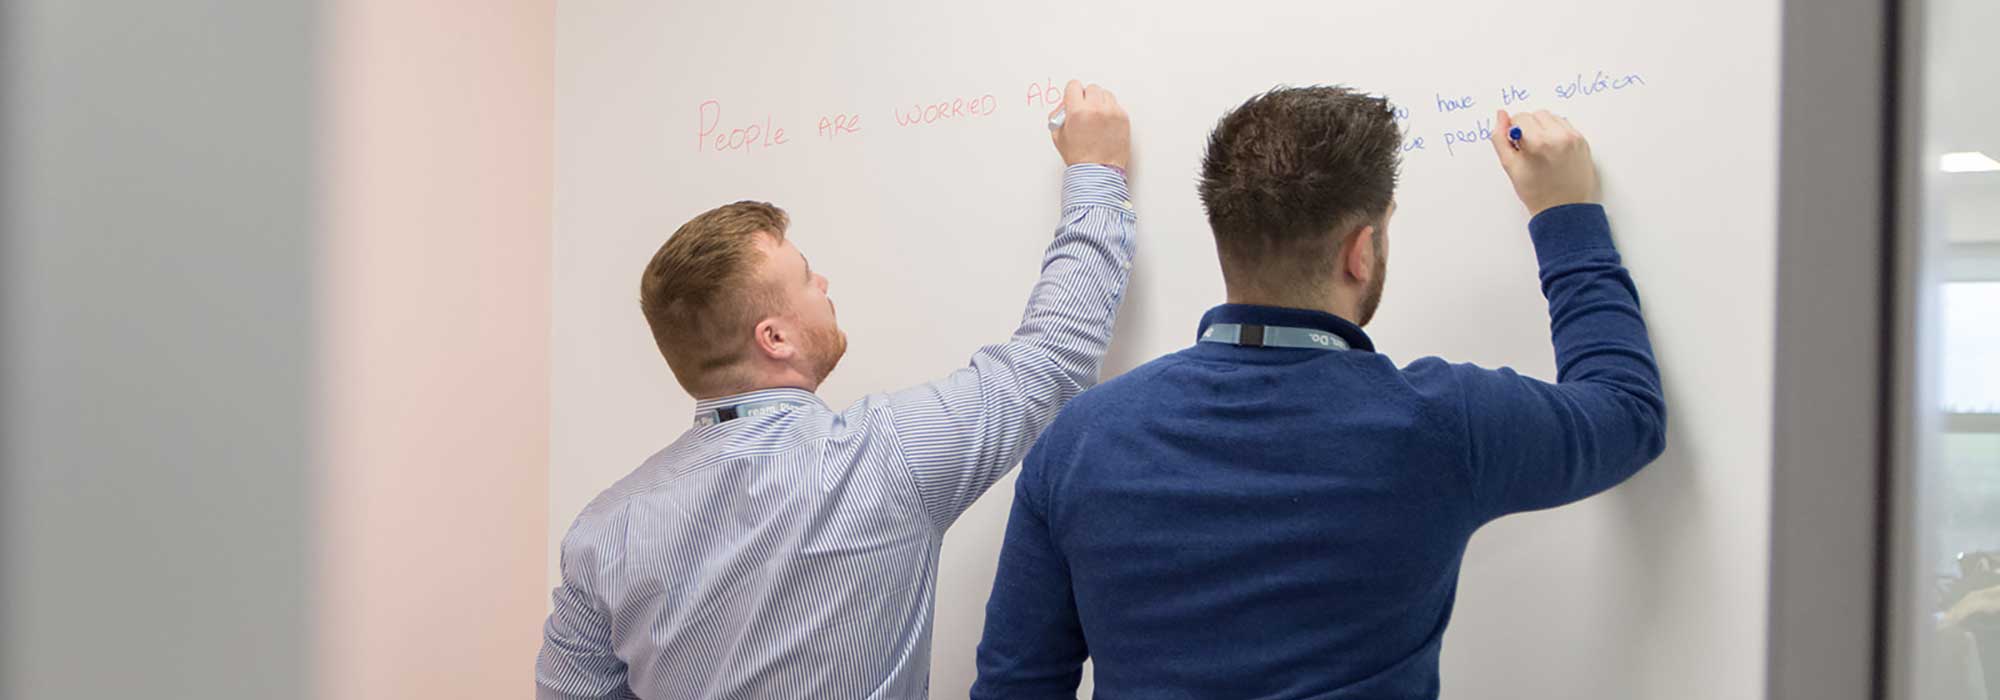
[794,553]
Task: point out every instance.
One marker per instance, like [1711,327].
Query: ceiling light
[1968,162]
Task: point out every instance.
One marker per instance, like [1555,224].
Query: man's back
[751,558]
[1336,502]
[1274,522]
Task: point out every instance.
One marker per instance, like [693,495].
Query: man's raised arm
[961,433]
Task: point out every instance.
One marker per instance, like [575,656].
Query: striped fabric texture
[794,553]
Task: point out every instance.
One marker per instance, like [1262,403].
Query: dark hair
[699,294]
[1288,172]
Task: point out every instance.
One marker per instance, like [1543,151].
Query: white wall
[275,348]
[158,181]
[433,329]
[931,234]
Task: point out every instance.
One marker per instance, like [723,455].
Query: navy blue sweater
[1240,522]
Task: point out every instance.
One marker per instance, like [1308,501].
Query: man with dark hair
[1279,511]
[781,548]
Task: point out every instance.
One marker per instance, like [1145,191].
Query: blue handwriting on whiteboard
[1480,131]
[1597,84]
[1449,105]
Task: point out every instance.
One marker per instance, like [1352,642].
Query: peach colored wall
[438,137]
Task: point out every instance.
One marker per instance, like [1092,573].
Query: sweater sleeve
[1535,444]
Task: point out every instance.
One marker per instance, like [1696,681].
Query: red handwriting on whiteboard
[835,125]
[710,134]
[1046,93]
[946,110]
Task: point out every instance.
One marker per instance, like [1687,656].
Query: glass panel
[1971,347]
[1957,498]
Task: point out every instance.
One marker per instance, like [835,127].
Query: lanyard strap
[724,414]
[1251,335]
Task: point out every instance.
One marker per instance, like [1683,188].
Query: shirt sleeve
[961,433]
[1537,445]
[1033,645]
[577,660]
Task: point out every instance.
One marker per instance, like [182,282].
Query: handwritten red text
[1046,93]
[945,110]
[835,125]
[710,134]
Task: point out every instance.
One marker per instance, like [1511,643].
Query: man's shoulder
[1441,378]
[593,537]
[603,519]
[608,506]
[1140,384]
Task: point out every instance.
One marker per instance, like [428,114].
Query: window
[1964,524]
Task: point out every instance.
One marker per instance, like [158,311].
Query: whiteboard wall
[931,229]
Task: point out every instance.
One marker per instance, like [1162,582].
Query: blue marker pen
[1514,137]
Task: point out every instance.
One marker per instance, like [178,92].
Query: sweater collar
[1285,316]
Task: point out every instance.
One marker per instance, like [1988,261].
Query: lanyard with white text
[724,414]
[1251,335]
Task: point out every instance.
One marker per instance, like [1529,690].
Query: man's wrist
[1563,229]
[1096,184]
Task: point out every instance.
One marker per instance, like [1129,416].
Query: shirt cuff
[543,692]
[1093,184]
[1561,230]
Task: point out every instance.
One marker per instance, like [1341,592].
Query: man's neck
[793,381]
[1335,305]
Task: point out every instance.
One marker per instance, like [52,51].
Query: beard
[824,348]
[1373,298]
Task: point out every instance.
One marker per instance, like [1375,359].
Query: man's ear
[1360,255]
[775,340]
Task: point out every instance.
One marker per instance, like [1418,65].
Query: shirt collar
[775,394]
[1285,316]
